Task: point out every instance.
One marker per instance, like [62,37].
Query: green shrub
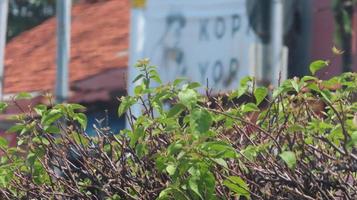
[296,142]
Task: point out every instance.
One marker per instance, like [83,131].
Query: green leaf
[20,142]
[219,149]
[138,77]
[317,65]
[314,87]
[5,177]
[52,116]
[295,128]
[174,148]
[31,157]
[155,76]
[309,78]
[243,88]
[40,109]
[126,103]
[80,139]
[237,185]
[3,106]
[136,135]
[139,89]
[193,85]
[192,183]
[260,93]
[23,95]
[188,97]
[40,140]
[3,143]
[200,121]
[76,106]
[353,141]
[250,152]
[16,128]
[176,110]
[295,85]
[249,107]
[171,169]
[82,120]
[52,129]
[326,95]
[178,81]
[221,162]
[245,81]
[165,194]
[289,158]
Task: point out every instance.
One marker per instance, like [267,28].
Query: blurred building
[100,42]
[99,54]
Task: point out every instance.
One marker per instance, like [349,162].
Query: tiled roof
[99,42]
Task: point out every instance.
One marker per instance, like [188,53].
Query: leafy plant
[295,142]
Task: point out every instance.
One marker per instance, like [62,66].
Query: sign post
[278,67]
[136,50]
[4,5]
[63,48]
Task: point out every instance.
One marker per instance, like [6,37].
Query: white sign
[201,40]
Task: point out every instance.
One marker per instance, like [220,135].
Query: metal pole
[63,48]
[136,52]
[4,5]
[278,71]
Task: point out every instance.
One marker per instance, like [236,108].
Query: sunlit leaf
[318,65]
[260,93]
[237,185]
[188,97]
[176,110]
[289,158]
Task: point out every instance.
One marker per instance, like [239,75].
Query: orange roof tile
[100,33]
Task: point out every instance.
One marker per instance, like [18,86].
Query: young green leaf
[238,186]
[289,158]
[193,85]
[3,106]
[260,93]
[16,128]
[136,135]
[23,95]
[40,109]
[126,103]
[318,65]
[200,120]
[3,142]
[176,110]
[188,97]
[52,116]
[138,77]
[155,76]
[178,81]
[353,141]
[171,169]
[192,183]
[75,106]
[82,120]
[295,85]
[219,149]
[249,107]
